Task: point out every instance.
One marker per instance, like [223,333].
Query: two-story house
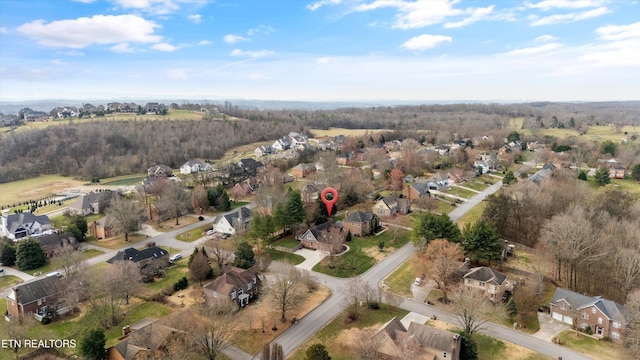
[32,298]
[324,237]
[148,260]
[491,282]
[302,170]
[50,243]
[192,166]
[416,191]
[602,317]
[234,221]
[391,205]
[361,223]
[237,285]
[21,225]
[90,203]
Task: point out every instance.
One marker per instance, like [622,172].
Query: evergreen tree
[295,208]
[513,136]
[468,348]
[509,178]
[582,175]
[222,199]
[92,345]
[512,309]
[635,172]
[244,256]
[430,226]
[608,147]
[602,176]
[8,255]
[317,352]
[481,241]
[29,254]
[349,236]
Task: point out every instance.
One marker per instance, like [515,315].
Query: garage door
[567,320]
[557,316]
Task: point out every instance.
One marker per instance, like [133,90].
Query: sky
[320,50]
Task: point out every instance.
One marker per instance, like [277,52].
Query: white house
[483,165]
[18,226]
[282,144]
[193,166]
[232,222]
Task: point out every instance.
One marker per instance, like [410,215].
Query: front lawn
[283,256]
[460,192]
[173,274]
[363,253]
[193,234]
[118,242]
[472,215]
[584,344]
[400,280]
[474,184]
[8,280]
[334,336]
[287,241]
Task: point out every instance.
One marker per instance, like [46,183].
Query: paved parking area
[549,328]
[312,257]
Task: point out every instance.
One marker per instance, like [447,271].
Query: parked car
[211,232]
[417,281]
[175,257]
[1,270]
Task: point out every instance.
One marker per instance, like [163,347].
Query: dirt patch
[186,297]
[375,253]
[171,223]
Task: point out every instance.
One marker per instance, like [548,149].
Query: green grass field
[123,180]
[400,280]
[194,234]
[287,241]
[463,193]
[283,256]
[472,216]
[34,189]
[8,280]
[586,345]
[173,274]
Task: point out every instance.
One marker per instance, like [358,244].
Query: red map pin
[329,203]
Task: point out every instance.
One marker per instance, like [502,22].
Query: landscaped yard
[170,224]
[283,256]
[8,280]
[287,241]
[173,274]
[35,188]
[363,253]
[400,280]
[117,242]
[598,349]
[338,335]
[193,234]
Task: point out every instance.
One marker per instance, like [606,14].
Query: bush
[374,305]
[168,290]
[181,284]
[45,320]
[200,218]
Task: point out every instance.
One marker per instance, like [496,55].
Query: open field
[35,188]
[346,132]
[594,133]
[123,180]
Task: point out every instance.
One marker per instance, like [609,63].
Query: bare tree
[444,259]
[199,267]
[353,292]
[286,288]
[199,199]
[127,214]
[17,330]
[174,199]
[473,310]
[220,255]
[334,240]
[67,259]
[632,316]
[366,346]
[110,289]
[212,329]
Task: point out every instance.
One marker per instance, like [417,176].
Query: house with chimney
[236,285]
[33,297]
[361,223]
[391,205]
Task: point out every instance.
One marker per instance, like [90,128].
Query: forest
[98,149]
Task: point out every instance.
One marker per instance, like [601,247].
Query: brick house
[302,170]
[422,341]
[32,298]
[361,223]
[151,341]
[391,205]
[602,317]
[416,191]
[237,285]
[310,192]
[51,242]
[148,260]
[321,237]
[103,228]
[491,282]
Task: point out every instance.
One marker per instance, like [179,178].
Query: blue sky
[322,50]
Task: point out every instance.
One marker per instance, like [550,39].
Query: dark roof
[233,278]
[29,292]
[136,255]
[319,230]
[234,217]
[57,239]
[433,337]
[85,201]
[360,216]
[392,326]
[106,222]
[486,274]
[609,308]
[250,163]
[14,221]
[421,187]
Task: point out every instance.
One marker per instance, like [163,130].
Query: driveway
[312,257]
[420,293]
[549,328]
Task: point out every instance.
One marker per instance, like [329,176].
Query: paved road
[463,208]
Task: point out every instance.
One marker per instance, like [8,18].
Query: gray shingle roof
[360,216]
[234,218]
[486,274]
[136,255]
[14,221]
[609,308]
[31,291]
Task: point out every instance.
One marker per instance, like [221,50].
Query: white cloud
[320,3]
[156,7]
[425,41]
[99,29]
[251,54]
[476,15]
[571,17]
[58,62]
[232,38]
[262,29]
[535,50]
[122,48]
[545,38]
[195,18]
[164,47]
[3,30]
[84,1]
[619,32]
[176,74]
[205,42]
[564,4]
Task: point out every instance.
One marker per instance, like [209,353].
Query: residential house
[361,223]
[263,150]
[391,205]
[243,188]
[344,158]
[234,221]
[193,166]
[421,341]
[457,176]
[32,298]
[149,260]
[443,150]
[150,341]
[536,146]
[249,166]
[154,107]
[103,228]
[90,203]
[439,181]
[325,145]
[543,174]
[237,285]
[52,242]
[310,192]
[490,282]
[616,167]
[18,226]
[322,237]
[302,170]
[281,144]
[416,191]
[159,171]
[482,165]
[36,116]
[601,317]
